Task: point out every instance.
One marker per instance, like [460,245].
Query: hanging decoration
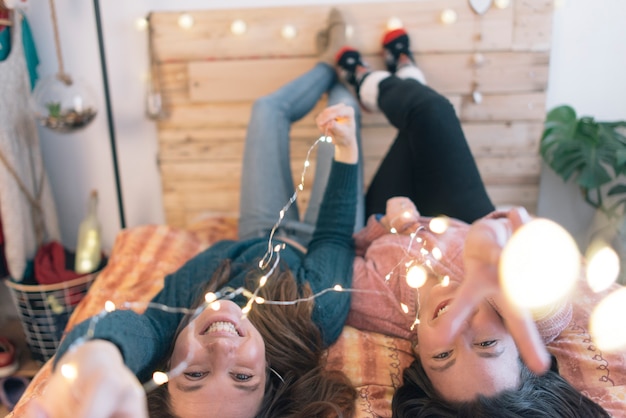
[155,108]
[63,103]
[480,6]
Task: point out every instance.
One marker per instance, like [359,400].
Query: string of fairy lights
[540,255]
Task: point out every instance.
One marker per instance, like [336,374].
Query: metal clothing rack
[109,111]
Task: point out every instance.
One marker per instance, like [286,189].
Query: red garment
[50,265]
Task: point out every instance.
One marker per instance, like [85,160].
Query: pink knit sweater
[379,270]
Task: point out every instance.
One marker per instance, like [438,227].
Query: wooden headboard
[208,77]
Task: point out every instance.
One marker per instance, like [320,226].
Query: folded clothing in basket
[51,264]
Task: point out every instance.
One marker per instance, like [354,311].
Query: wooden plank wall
[209,78]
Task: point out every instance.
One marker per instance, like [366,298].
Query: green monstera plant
[592,153]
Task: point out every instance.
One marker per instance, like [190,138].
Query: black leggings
[429,161]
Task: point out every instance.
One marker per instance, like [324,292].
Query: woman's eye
[489,343]
[442,356]
[194,375]
[242,377]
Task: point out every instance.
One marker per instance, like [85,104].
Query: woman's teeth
[441,311]
[223,327]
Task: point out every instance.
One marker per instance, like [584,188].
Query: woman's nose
[221,346]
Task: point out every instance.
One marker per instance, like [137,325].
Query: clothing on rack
[26,203]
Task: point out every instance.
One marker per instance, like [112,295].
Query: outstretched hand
[481,255]
[90,381]
[338,122]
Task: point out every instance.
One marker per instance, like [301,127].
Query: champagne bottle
[88,248]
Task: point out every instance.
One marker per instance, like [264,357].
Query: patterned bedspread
[142,256]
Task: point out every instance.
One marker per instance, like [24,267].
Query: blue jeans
[266,181]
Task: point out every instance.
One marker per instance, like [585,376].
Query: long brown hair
[545,396]
[293,349]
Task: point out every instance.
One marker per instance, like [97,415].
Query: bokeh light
[416,276]
[185,21]
[602,268]
[69,371]
[439,225]
[606,326]
[238,27]
[539,265]
[394,23]
[448,16]
[160,378]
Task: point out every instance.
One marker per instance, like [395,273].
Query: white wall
[587,71]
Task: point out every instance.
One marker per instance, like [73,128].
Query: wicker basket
[45,309]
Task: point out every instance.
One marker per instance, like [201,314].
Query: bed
[143,255]
[492,67]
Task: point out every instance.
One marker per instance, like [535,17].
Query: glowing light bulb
[405,308]
[210,297]
[416,277]
[436,252]
[438,225]
[393,230]
[448,16]
[502,4]
[262,281]
[394,23]
[338,288]
[185,21]
[445,281]
[349,31]
[289,32]
[259,300]
[109,306]
[215,305]
[141,24]
[602,267]
[539,265]
[246,309]
[69,371]
[160,378]
[606,327]
[238,27]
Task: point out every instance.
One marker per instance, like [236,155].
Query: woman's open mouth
[441,308]
[223,328]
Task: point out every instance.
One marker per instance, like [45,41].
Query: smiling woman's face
[225,369]
[482,359]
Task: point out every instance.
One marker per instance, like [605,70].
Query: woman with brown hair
[259,351]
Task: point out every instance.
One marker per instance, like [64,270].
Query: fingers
[526,336]
[35,410]
[518,216]
[336,114]
[338,121]
[465,302]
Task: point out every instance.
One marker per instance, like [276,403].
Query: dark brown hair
[293,348]
[548,395]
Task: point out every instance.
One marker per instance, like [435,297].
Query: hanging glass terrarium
[61,102]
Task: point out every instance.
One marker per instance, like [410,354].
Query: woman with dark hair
[260,350]
[468,337]
[544,396]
